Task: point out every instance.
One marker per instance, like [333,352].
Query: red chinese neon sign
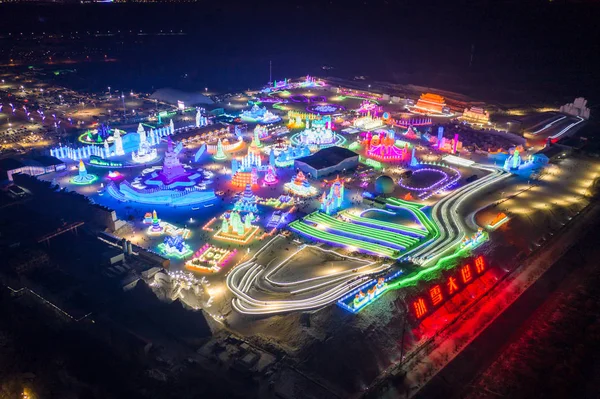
[479,264]
[439,293]
[465,273]
[420,308]
[452,286]
[435,293]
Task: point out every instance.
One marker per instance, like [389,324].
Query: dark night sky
[545,46]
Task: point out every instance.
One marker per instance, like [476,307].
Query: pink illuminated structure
[382,147]
[411,133]
[271,176]
[368,106]
[455,143]
[405,123]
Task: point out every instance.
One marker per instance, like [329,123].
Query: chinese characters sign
[439,293]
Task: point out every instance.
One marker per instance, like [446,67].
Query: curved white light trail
[251,274]
[559,134]
[547,126]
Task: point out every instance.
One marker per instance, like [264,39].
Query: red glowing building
[430,103]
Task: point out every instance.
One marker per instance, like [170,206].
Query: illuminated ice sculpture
[220,154]
[175,245]
[319,134]
[331,202]
[235,230]
[413,158]
[367,122]
[118,143]
[141,133]
[175,184]
[513,161]
[286,157]
[83,177]
[259,132]
[259,114]
[201,120]
[145,153]
[271,176]
[247,201]
[300,186]
[156,227]
[245,164]
[383,147]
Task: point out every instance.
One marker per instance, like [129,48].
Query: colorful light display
[258,114]
[207,227]
[437,294]
[514,161]
[83,177]
[300,186]
[433,296]
[325,109]
[105,163]
[287,156]
[145,153]
[382,147]
[448,180]
[277,218]
[406,123]
[259,132]
[365,234]
[445,212]
[476,115]
[79,153]
[175,246]
[281,202]
[174,184]
[271,176]
[444,178]
[475,240]
[331,202]
[308,82]
[115,175]
[235,230]
[97,136]
[148,218]
[241,179]
[319,134]
[247,201]
[210,259]
[201,120]
[118,143]
[384,225]
[156,228]
[230,142]
[220,153]
[372,107]
[172,169]
[370,162]
[498,221]
[159,227]
[252,160]
[430,103]
[361,299]
[367,122]
[356,300]
[413,158]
